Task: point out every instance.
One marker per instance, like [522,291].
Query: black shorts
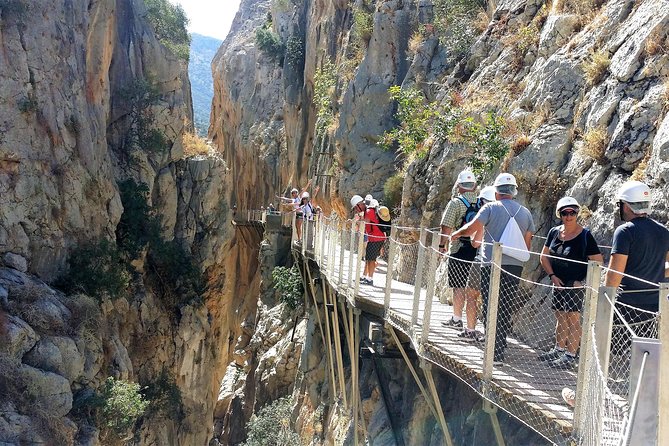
[459,265]
[568,300]
[372,251]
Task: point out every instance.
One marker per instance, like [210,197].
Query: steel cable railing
[417,285]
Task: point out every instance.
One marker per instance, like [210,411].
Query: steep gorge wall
[67,70]
[585,84]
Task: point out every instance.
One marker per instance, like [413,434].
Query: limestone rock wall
[66,70]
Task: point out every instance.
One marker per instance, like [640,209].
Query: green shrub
[271,426]
[169,22]
[28,104]
[138,224]
[15,9]
[119,405]
[270,44]
[325,82]
[455,24]
[363,25]
[175,274]
[414,116]
[96,269]
[288,282]
[295,53]
[486,139]
[392,191]
[164,397]
[139,97]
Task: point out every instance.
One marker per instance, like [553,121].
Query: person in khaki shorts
[461,252]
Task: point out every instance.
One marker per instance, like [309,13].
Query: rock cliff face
[582,86]
[89,98]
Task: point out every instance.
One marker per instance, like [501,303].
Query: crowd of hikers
[475,218]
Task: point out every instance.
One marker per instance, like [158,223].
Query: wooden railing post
[342,239]
[592,281]
[429,295]
[293,237]
[419,278]
[392,248]
[491,316]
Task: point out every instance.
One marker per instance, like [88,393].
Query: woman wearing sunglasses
[566,242]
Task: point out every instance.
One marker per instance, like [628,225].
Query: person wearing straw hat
[494,218]
[565,246]
[461,252]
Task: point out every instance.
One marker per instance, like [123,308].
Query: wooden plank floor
[523,386]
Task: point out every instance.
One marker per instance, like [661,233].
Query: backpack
[512,240]
[472,210]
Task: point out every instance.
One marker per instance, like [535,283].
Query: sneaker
[550,355]
[565,361]
[363,279]
[367,282]
[569,396]
[470,335]
[452,323]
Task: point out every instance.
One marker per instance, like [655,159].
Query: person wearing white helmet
[368,199]
[640,249]
[460,209]
[564,243]
[493,218]
[375,237]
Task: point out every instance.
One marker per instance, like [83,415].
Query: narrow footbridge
[616,379]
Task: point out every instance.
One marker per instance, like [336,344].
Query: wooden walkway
[523,386]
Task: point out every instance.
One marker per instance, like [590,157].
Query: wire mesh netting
[535,351]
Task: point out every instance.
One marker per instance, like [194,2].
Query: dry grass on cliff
[665,96]
[195,145]
[595,141]
[639,173]
[596,67]
[657,43]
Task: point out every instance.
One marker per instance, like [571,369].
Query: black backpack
[472,210]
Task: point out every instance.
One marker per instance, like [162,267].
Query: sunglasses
[568,213]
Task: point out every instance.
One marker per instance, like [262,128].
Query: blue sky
[210,17]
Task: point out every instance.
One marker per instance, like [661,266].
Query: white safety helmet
[467,180]
[487,193]
[305,195]
[566,202]
[635,192]
[294,191]
[504,179]
[355,200]
[373,203]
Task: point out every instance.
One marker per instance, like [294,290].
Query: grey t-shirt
[494,217]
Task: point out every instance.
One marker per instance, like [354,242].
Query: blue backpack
[472,210]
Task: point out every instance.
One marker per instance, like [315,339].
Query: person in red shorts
[375,238]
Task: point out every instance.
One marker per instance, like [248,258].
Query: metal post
[427,368]
[433,259]
[293,237]
[491,409]
[356,361]
[351,279]
[338,347]
[642,399]
[305,235]
[347,333]
[358,265]
[592,281]
[663,391]
[419,278]
[392,247]
[603,327]
[342,239]
[491,316]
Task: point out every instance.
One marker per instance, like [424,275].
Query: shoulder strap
[464,201]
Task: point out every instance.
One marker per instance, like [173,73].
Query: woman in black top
[568,241]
